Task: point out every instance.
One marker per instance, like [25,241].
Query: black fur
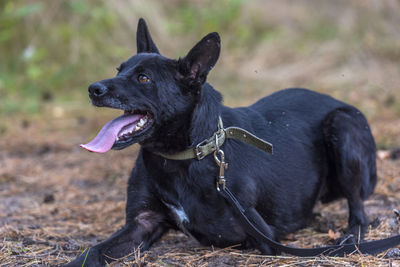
[323,150]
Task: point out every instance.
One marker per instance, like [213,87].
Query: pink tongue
[105,139]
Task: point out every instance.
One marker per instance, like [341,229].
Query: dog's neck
[204,120]
[189,129]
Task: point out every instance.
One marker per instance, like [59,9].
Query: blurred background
[51,51]
[56,199]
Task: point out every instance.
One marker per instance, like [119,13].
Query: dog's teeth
[137,128]
[117,139]
[141,122]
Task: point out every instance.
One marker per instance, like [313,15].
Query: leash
[249,218]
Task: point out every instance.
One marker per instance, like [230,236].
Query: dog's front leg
[146,221]
[146,229]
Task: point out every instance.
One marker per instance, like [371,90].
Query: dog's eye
[143,78]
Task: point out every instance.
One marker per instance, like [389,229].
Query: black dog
[323,150]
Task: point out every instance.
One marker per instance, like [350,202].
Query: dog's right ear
[143,39]
[200,60]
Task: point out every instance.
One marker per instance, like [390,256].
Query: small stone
[395,154]
[383,154]
[48,198]
[375,223]
[393,224]
[393,253]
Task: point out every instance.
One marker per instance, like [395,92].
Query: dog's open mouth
[120,132]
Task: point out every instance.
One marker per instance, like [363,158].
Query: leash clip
[222,165]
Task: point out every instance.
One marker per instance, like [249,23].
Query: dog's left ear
[143,39]
[200,60]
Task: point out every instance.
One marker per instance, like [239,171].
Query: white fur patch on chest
[179,212]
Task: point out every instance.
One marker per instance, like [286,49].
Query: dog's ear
[143,39]
[200,60]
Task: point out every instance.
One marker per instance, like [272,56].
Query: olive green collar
[210,145]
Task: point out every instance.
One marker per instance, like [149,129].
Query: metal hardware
[216,143]
[222,165]
[397,214]
[199,154]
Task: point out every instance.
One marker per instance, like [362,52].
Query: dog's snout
[97,89]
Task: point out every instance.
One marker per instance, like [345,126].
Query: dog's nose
[97,89]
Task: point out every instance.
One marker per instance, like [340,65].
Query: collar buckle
[199,154]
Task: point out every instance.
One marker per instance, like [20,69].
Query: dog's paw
[89,258]
[347,239]
[354,235]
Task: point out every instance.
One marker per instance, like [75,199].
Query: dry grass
[56,200]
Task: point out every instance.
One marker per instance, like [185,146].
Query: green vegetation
[48,49]
[51,50]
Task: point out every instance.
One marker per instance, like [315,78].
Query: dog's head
[151,90]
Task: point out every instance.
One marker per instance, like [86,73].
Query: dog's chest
[195,206]
[209,223]
[180,216]
[179,213]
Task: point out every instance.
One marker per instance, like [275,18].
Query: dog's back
[300,104]
[326,119]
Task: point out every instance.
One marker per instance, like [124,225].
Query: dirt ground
[57,200]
